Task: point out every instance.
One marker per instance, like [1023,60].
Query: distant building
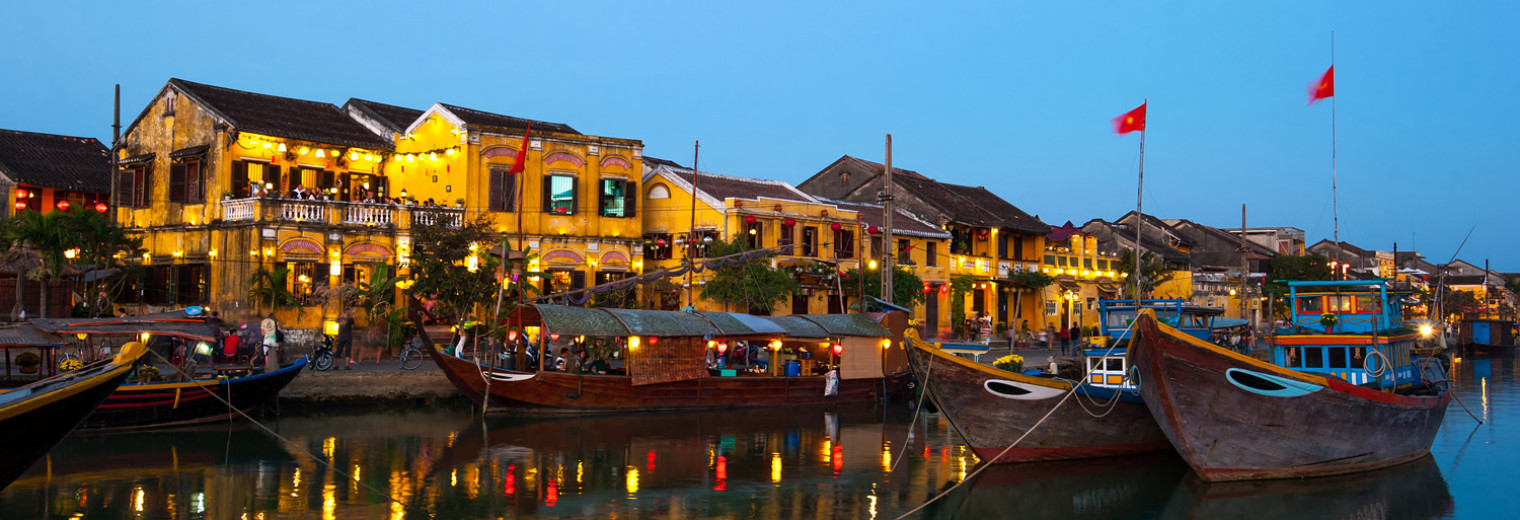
[46,172]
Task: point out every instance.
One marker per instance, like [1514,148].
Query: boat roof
[1162,304]
[562,319]
[27,335]
[175,324]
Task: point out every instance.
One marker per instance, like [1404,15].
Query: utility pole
[1245,269]
[889,264]
[115,153]
[691,236]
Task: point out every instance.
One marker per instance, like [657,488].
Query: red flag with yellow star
[1323,88]
[522,153]
[1131,121]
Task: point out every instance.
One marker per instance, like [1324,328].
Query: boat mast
[1244,269]
[1335,210]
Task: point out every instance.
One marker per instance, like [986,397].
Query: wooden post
[889,266]
[1244,268]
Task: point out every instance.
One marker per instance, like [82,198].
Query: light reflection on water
[777,463]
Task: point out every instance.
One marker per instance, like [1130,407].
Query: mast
[691,236]
[1139,205]
[1335,210]
[115,152]
[889,264]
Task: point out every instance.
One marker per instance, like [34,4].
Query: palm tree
[102,245]
[46,236]
[1153,273]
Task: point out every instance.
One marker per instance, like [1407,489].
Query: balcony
[337,212]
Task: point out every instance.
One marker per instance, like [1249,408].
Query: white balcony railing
[437,216]
[303,211]
[241,209]
[369,214]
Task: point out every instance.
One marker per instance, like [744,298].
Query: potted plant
[1010,363]
[459,202]
[28,362]
[226,194]
[1328,320]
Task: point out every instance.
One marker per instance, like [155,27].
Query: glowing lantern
[750,220]
[835,226]
[653,340]
[62,205]
[512,335]
[20,205]
[873,229]
[789,222]
[722,347]
[554,336]
[838,348]
[101,207]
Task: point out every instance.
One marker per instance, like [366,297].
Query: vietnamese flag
[522,153]
[1131,121]
[1323,88]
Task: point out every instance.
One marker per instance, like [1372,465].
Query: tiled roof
[725,187]
[1011,216]
[972,205]
[903,223]
[56,161]
[471,116]
[281,116]
[394,117]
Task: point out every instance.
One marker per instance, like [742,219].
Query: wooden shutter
[124,187]
[575,194]
[328,179]
[239,179]
[144,186]
[272,177]
[630,198]
[195,182]
[601,197]
[177,181]
[548,189]
[498,187]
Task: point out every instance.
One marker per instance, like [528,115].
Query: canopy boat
[991,408]
[152,404]
[664,357]
[1348,390]
[33,418]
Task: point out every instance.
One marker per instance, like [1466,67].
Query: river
[798,463]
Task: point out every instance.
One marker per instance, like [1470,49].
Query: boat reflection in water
[1131,486]
[1410,491]
[808,462]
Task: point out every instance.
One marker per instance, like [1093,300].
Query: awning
[165,325]
[796,327]
[142,158]
[1069,285]
[192,151]
[848,325]
[26,335]
[1108,288]
[1228,323]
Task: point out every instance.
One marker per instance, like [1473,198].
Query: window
[1018,246]
[755,235]
[659,191]
[1308,304]
[960,241]
[1003,246]
[315,181]
[134,183]
[1103,265]
[302,281]
[1339,303]
[657,246]
[931,254]
[185,182]
[1061,261]
[705,239]
[1337,357]
[786,238]
[1314,357]
[246,174]
[617,198]
[503,196]
[904,252]
[1087,263]
[1366,304]
[559,194]
[1050,259]
[875,246]
[809,241]
[361,186]
[844,244]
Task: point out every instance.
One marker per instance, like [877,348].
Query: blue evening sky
[1014,96]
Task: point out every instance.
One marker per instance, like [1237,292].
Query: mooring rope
[923,393]
[282,438]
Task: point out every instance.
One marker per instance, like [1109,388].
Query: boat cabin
[1106,365]
[1337,326]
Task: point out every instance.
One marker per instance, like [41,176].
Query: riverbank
[371,383]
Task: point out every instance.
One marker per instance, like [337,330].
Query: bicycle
[411,357]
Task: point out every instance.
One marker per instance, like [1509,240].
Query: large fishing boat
[1347,390]
[143,404]
[659,360]
[33,418]
[992,408]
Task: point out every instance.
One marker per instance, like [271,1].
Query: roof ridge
[193,85]
[44,134]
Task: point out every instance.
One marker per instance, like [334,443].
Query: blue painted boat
[1107,366]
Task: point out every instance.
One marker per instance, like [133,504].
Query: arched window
[659,191]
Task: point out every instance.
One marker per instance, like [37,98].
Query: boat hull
[562,392]
[191,402]
[990,421]
[29,430]
[1289,424]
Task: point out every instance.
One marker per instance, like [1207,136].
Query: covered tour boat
[1347,390]
[34,417]
[659,360]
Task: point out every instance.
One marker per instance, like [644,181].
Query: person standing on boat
[271,330]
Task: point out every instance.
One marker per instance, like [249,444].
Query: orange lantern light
[512,335]
[722,347]
[553,336]
[62,205]
[838,348]
[653,340]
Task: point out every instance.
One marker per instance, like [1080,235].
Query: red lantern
[944,289]
[838,348]
[62,205]
[789,222]
[660,242]
[20,205]
[101,207]
[653,340]
[553,336]
[873,229]
[511,335]
[20,194]
[722,347]
[750,220]
[927,288]
[835,226]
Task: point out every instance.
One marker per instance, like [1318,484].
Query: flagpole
[1335,209]
[691,236]
[1140,203]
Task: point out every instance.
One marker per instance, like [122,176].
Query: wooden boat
[33,418]
[152,404]
[1118,315]
[144,405]
[1346,394]
[664,355]
[992,408]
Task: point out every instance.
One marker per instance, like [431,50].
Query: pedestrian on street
[345,341]
[271,330]
[1065,340]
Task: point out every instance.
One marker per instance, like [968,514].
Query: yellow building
[824,238]
[224,183]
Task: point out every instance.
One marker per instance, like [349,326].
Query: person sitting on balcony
[369,197]
[299,192]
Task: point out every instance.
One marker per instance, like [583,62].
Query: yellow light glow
[178,254]
[886,343]
[269,251]
[321,154]
[472,263]
[449,151]
[633,342]
[633,480]
[82,335]
[303,279]
[267,145]
[335,268]
[282,147]
[353,156]
[369,157]
[775,467]
[411,158]
[70,253]
[432,156]
[330,328]
[871,264]
[147,257]
[1425,330]
[144,337]
[303,150]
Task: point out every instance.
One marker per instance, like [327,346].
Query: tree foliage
[441,270]
[270,289]
[1287,268]
[1153,273]
[749,284]
[959,286]
[36,247]
[907,288]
